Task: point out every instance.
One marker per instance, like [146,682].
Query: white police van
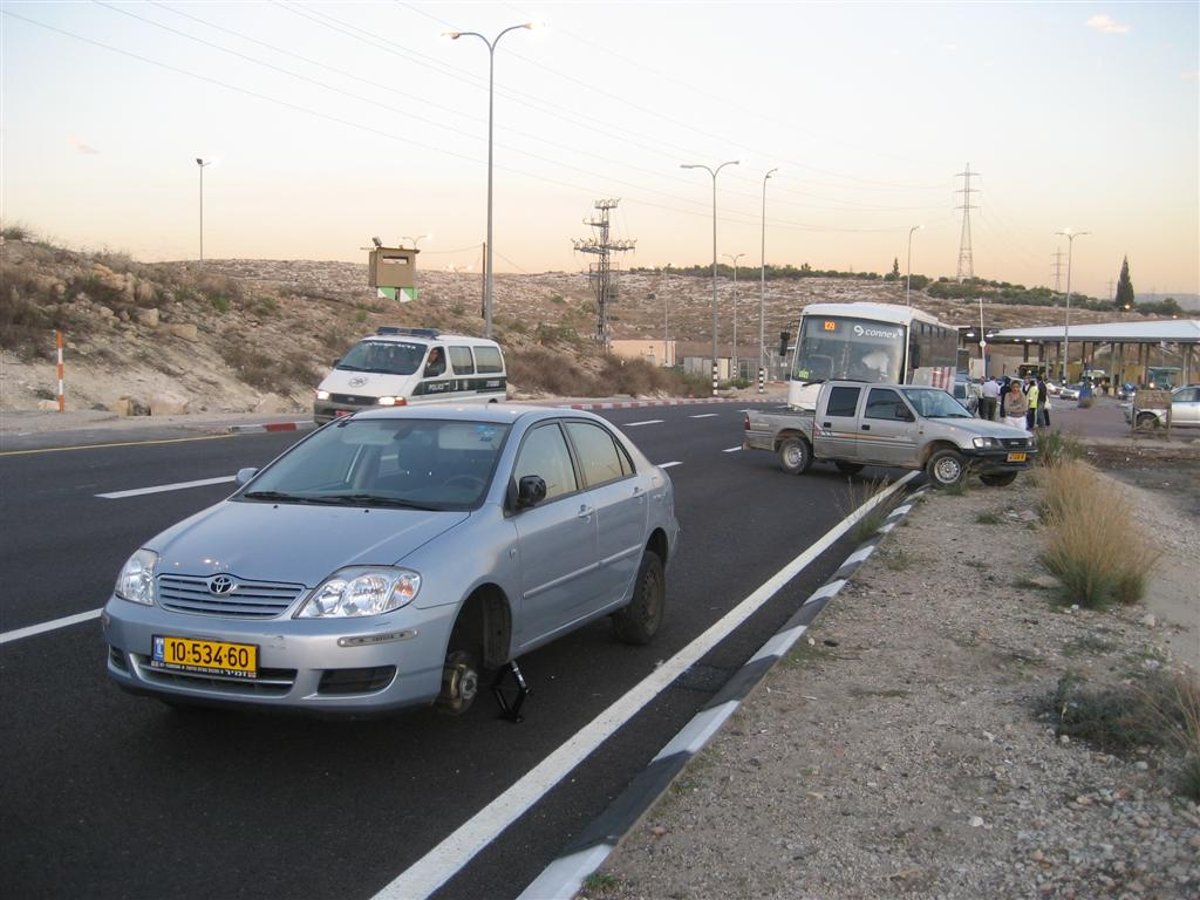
[402,366]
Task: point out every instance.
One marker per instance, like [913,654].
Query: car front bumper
[988,461]
[349,666]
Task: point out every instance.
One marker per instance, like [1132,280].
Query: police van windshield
[384,357]
[841,348]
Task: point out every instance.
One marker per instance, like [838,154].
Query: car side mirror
[244,475]
[335,362]
[531,490]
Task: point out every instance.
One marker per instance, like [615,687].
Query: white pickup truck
[902,425]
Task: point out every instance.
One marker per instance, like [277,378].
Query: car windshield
[384,357]
[935,404]
[403,463]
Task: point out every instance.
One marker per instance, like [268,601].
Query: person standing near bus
[989,399]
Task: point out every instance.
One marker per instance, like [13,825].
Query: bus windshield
[849,349]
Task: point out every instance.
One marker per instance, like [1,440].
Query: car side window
[544,453]
[600,458]
[843,401]
[460,359]
[487,360]
[884,403]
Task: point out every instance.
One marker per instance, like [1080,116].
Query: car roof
[492,413]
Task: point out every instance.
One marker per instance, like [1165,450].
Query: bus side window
[914,355]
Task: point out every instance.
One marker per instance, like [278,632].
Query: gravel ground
[900,752]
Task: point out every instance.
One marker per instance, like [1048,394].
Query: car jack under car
[510,710]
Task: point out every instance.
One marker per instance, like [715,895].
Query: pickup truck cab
[902,425]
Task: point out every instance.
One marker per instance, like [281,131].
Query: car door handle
[866,428]
[585,511]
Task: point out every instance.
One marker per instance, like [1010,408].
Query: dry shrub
[1094,548]
[538,369]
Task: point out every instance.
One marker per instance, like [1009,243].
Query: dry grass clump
[1094,549]
[858,494]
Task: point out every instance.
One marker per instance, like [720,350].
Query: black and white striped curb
[564,877]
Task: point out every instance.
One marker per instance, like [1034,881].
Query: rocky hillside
[257,335]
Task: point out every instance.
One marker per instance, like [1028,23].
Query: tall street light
[202,163]
[491,45]
[733,364]
[1070,236]
[908,267]
[415,240]
[713,173]
[762,291]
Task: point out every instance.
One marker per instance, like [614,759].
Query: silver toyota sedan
[389,558]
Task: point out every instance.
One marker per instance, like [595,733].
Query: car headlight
[352,593]
[322,395]
[136,581]
[984,443]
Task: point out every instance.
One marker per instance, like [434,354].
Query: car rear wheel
[999,479]
[795,455]
[638,622]
[946,468]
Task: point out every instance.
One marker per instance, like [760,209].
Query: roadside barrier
[62,399]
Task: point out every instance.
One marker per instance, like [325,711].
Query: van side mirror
[531,490]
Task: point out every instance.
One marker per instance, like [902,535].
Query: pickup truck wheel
[638,622]
[848,468]
[999,479]
[795,455]
[1146,421]
[946,468]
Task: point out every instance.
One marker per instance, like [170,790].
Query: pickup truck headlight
[322,395]
[352,593]
[986,443]
[135,583]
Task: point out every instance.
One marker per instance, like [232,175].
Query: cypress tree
[1124,287]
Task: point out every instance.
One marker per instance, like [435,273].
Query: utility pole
[733,361]
[966,262]
[1057,270]
[600,273]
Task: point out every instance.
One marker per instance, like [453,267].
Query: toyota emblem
[220,584]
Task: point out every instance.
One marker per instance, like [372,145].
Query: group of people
[1020,405]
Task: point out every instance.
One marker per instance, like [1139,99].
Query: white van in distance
[401,366]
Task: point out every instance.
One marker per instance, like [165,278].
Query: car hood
[294,543]
[977,428]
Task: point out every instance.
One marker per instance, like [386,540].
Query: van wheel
[638,622]
[848,468]
[795,455]
[999,479]
[946,468]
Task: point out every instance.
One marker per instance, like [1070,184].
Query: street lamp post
[491,45]
[762,291]
[908,267]
[415,240]
[202,163]
[713,173]
[733,364]
[1070,236]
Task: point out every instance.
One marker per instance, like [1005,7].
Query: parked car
[1071,391]
[391,556]
[1185,410]
[967,394]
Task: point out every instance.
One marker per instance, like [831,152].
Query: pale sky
[334,122]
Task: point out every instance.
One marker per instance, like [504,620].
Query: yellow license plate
[1016,457]
[214,657]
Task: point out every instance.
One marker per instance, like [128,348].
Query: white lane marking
[163,488]
[732,449]
[31,630]
[704,416]
[644,422]
[668,465]
[445,860]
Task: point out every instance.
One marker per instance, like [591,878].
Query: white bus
[873,342]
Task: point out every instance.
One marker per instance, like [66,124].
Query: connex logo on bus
[859,331]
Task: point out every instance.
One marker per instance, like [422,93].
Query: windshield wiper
[373,500]
[270,495]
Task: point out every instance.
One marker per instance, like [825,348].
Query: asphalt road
[109,795]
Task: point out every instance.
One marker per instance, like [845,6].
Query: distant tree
[893,275]
[1124,287]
